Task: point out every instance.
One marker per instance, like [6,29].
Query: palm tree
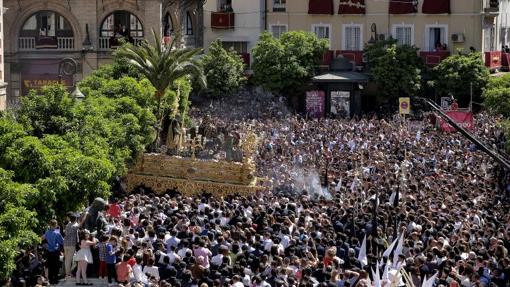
[162,64]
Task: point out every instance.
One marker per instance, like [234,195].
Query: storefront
[38,73]
[341,89]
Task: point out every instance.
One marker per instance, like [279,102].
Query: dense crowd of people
[361,202]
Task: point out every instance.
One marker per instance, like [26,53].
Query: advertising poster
[315,104]
[340,104]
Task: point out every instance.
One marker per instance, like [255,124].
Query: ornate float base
[163,173]
[161,185]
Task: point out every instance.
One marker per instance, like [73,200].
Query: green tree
[396,68]
[455,75]
[224,70]
[162,65]
[287,64]
[16,222]
[497,95]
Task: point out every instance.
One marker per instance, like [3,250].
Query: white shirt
[139,275]
[152,270]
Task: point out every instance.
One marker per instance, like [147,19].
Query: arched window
[189,24]
[168,26]
[121,24]
[46,24]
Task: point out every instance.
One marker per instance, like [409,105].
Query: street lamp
[68,67]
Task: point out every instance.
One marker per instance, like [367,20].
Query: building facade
[40,34]
[236,23]
[3,85]
[437,27]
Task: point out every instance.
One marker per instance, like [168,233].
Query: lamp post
[69,67]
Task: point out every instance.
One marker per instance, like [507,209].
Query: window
[168,26]
[489,38]
[322,31]
[436,37]
[278,30]
[279,5]
[46,24]
[225,6]
[352,37]
[121,24]
[239,47]
[189,24]
[404,34]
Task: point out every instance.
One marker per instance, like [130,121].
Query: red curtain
[321,7]
[436,7]
[403,6]
[352,7]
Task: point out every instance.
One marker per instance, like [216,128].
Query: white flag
[430,281]
[398,250]
[392,197]
[388,250]
[362,257]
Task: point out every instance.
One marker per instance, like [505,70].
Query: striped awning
[436,7]
[321,7]
[403,6]
[352,7]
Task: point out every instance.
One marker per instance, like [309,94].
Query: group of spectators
[398,203]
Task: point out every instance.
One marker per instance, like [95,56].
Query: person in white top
[138,274]
[151,270]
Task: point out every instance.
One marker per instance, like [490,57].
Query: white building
[236,23]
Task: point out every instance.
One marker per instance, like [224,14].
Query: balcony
[45,43]
[327,57]
[431,59]
[108,43]
[493,60]
[354,56]
[222,20]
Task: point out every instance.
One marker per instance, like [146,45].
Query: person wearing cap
[70,241]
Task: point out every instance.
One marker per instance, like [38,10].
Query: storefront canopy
[341,77]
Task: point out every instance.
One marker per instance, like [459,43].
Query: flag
[392,198]
[398,250]
[430,281]
[388,250]
[377,278]
[362,256]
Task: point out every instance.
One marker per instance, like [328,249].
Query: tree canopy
[455,75]
[396,68]
[287,64]
[224,70]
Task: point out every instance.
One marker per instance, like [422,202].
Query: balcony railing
[493,59]
[354,56]
[431,59]
[46,43]
[108,43]
[222,20]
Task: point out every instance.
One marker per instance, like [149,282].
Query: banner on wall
[404,105]
[463,119]
[315,104]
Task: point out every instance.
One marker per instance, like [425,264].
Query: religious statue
[174,138]
[92,215]
[229,147]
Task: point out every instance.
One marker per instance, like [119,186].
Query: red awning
[402,6]
[321,7]
[352,7]
[436,7]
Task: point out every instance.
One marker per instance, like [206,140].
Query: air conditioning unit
[382,37]
[458,38]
